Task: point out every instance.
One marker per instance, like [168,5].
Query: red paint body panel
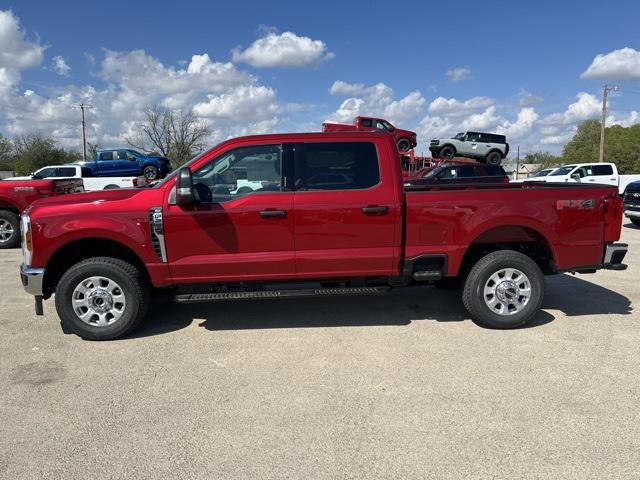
[19,194]
[325,233]
[397,133]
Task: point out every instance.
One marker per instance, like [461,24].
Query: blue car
[127,162]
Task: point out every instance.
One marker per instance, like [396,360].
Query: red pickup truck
[16,195]
[405,139]
[327,214]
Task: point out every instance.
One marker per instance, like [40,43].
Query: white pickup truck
[77,171]
[603,173]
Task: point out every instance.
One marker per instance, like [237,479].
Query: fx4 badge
[577,204]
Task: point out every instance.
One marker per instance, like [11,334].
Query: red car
[16,195]
[327,215]
[405,139]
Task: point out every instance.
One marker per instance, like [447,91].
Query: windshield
[543,173]
[562,171]
[459,136]
[432,173]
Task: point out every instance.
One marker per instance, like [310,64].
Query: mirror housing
[576,176]
[184,187]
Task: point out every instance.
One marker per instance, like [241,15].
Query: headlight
[27,240]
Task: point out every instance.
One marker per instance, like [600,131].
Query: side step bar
[318,292]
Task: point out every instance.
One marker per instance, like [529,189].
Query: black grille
[155,241]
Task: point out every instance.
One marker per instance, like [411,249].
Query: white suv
[485,147]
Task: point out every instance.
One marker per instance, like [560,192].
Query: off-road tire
[134,287]
[12,220]
[473,293]
[404,145]
[494,158]
[447,152]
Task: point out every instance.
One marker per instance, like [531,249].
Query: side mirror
[132,158]
[575,176]
[184,187]
[36,176]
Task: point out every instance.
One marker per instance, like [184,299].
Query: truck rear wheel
[102,298]
[504,290]
[494,158]
[9,229]
[151,172]
[404,145]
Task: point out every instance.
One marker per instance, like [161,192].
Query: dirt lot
[401,386]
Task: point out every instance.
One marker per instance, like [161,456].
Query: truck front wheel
[102,298]
[504,290]
[404,145]
[151,172]
[9,229]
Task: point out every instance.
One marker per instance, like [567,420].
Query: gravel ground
[400,386]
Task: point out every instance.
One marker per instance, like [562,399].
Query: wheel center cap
[507,291]
[101,300]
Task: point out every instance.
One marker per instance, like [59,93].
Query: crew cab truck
[336,221]
[405,139]
[602,173]
[17,195]
[123,161]
[89,182]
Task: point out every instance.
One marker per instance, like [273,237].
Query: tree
[585,144]
[175,134]
[32,152]
[621,146]
[6,153]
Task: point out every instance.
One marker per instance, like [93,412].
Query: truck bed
[445,219]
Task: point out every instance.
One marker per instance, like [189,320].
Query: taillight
[613,209]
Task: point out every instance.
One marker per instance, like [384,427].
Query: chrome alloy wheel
[507,291]
[6,231]
[98,301]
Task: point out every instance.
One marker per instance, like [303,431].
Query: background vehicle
[485,147]
[77,171]
[17,195]
[632,203]
[601,173]
[458,174]
[123,161]
[539,176]
[337,221]
[405,139]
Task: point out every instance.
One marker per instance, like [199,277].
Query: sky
[530,70]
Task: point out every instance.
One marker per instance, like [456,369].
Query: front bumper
[32,280]
[632,213]
[614,254]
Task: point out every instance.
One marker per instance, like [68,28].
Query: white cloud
[246,102]
[585,107]
[378,100]
[455,108]
[283,50]
[528,99]
[16,52]
[343,88]
[622,64]
[459,74]
[59,65]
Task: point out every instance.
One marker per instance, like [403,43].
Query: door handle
[273,213]
[375,210]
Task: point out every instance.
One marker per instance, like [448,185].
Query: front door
[347,219]
[242,229]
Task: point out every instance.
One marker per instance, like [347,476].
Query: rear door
[604,174]
[347,216]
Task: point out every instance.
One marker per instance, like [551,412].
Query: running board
[318,292]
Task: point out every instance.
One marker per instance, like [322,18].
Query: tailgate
[70,185]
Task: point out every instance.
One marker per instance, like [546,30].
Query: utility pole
[518,162]
[82,106]
[605,93]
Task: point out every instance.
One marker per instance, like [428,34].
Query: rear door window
[338,166]
[106,156]
[366,122]
[602,170]
[66,172]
